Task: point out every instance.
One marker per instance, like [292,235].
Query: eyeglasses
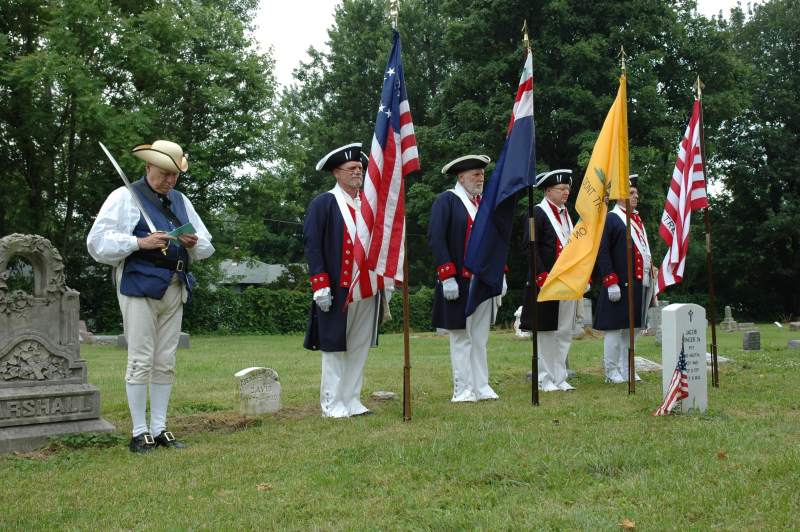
[352,171]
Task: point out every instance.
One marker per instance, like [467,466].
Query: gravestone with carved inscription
[44,390]
[259,391]
[684,330]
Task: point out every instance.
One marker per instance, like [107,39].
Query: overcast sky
[292,27]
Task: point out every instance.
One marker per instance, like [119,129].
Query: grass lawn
[587,459]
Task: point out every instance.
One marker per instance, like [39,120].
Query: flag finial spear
[525,38]
[698,88]
[622,55]
[394,11]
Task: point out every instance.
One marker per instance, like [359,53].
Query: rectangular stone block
[684,329]
[48,404]
[751,341]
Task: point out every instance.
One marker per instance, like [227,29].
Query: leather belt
[175,265]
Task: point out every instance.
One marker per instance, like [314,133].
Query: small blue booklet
[182,230]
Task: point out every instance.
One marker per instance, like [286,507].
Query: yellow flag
[607,173]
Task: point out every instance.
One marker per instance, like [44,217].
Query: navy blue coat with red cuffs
[547,249]
[447,232]
[612,265]
[324,242]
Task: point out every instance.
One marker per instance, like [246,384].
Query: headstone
[751,341]
[684,329]
[794,325]
[588,318]
[728,324]
[661,306]
[183,341]
[643,364]
[746,326]
[794,344]
[84,336]
[122,342]
[43,382]
[584,318]
[381,395]
[259,391]
[720,359]
[517,323]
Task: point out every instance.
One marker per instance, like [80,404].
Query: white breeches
[554,345]
[615,352]
[468,356]
[343,371]
[152,330]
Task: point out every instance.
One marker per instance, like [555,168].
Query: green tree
[75,73]
[757,152]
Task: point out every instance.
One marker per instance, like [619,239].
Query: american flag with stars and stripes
[687,193]
[678,386]
[392,156]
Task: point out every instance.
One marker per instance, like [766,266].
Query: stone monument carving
[259,391]
[43,382]
[684,328]
[728,324]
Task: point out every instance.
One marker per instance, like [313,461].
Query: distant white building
[239,275]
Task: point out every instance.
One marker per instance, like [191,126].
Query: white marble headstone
[259,391]
[685,324]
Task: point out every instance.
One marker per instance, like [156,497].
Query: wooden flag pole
[712,303]
[534,304]
[629,257]
[394,10]
[532,271]
[406,344]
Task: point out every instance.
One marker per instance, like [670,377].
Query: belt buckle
[149,440]
[179,266]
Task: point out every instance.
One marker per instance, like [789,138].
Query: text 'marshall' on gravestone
[259,391]
[684,327]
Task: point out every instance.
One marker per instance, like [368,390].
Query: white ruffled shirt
[111,238]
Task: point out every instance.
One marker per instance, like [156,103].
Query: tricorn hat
[634,180]
[467,162]
[339,156]
[552,178]
[164,154]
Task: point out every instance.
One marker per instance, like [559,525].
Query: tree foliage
[72,73]
[124,73]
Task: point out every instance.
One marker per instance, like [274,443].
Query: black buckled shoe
[167,439]
[143,443]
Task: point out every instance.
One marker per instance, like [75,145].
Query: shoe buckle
[149,440]
[179,266]
[168,436]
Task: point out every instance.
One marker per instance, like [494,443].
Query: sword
[134,196]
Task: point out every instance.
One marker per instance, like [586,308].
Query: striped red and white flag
[678,386]
[687,193]
[393,155]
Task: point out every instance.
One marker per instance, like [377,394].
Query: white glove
[450,288]
[323,299]
[614,293]
[505,287]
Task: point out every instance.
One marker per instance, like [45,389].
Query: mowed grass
[587,459]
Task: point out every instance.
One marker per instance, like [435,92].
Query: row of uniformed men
[151,273]
[345,335]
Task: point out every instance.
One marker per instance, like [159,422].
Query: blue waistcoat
[142,278]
